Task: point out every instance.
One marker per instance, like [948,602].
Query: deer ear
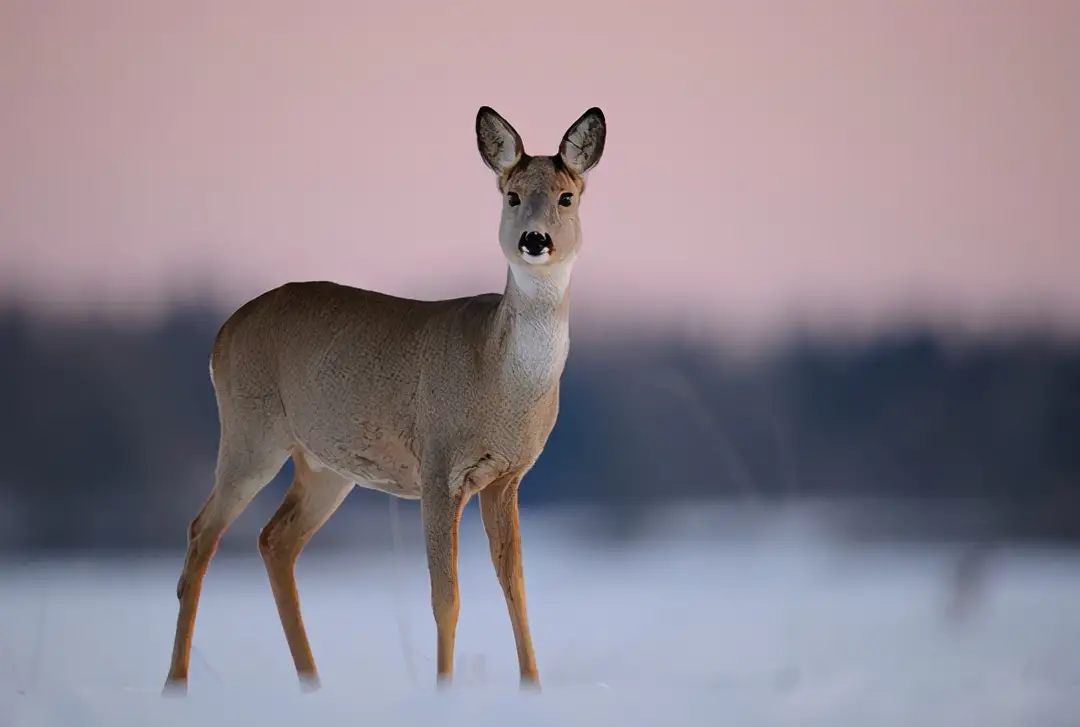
[583,143]
[499,144]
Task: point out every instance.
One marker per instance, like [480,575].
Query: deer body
[322,363]
[429,400]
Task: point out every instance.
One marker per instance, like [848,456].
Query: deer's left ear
[499,143]
[583,143]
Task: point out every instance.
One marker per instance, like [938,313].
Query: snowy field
[767,631]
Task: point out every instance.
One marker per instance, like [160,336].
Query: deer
[429,400]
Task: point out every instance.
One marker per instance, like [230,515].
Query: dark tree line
[109,432]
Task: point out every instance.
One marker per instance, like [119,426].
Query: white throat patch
[551,284]
[541,337]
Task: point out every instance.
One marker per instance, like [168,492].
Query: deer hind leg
[441,510]
[310,501]
[499,510]
[244,467]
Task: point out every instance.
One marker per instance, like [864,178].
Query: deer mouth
[535,247]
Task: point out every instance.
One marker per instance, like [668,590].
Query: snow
[778,631]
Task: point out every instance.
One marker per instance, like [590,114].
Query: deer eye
[565,199]
[513,199]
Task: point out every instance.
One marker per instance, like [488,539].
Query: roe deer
[428,400]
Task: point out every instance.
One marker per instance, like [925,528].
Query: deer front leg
[441,510]
[499,509]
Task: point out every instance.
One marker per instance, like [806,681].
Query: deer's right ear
[499,144]
[583,144]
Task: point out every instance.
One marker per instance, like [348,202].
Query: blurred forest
[110,431]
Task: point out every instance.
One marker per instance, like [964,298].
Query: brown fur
[548,172]
[428,400]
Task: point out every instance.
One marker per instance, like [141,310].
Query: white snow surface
[781,631]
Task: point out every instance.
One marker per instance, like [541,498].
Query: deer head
[540,231]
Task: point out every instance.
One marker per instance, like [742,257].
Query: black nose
[534,244]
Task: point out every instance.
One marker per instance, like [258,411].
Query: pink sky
[833,160]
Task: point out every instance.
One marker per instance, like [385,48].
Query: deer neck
[532,327]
